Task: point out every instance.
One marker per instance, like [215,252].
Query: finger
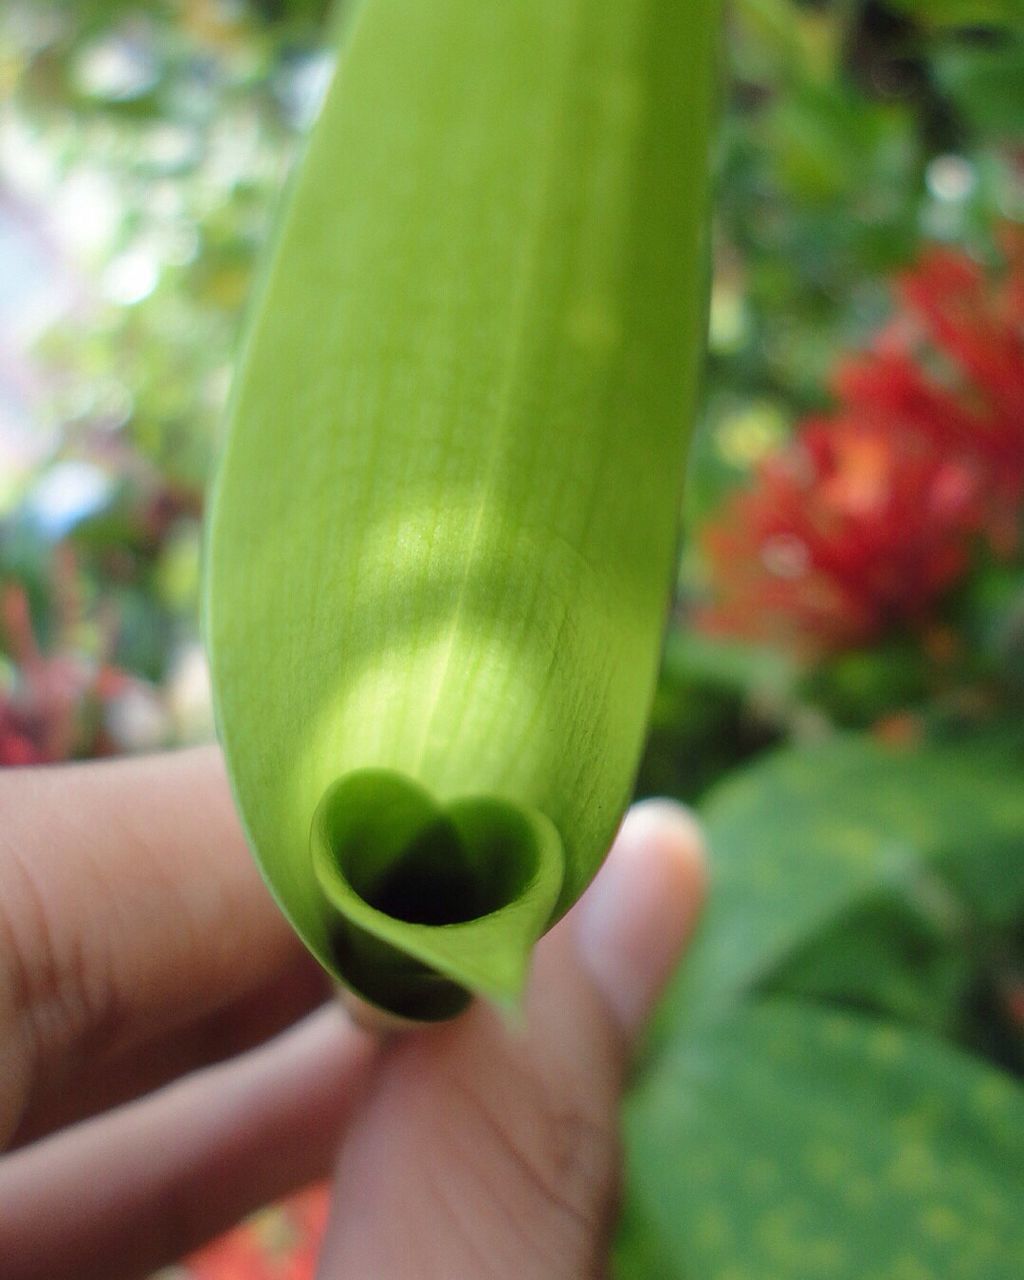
[638,914]
[124,1194]
[113,1079]
[129,908]
[490,1149]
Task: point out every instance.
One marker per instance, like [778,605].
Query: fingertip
[640,912]
[675,829]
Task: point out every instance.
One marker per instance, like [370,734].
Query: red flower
[951,366]
[867,518]
[281,1243]
[239,1255]
[847,533]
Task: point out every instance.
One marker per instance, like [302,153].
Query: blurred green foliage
[144,148]
[803,1116]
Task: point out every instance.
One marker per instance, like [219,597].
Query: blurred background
[847,651]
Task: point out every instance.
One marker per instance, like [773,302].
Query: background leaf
[786,1129]
[962,13]
[802,837]
[797,1143]
[987,84]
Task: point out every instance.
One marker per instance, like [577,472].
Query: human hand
[157,1090]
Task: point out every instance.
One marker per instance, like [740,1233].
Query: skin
[171,1059]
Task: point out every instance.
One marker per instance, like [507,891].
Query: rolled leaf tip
[434,902]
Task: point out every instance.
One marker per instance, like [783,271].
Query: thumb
[639,913]
[486,1148]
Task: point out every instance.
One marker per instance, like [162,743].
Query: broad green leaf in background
[443,531]
[963,13]
[987,83]
[796,1143]
[782,1131]
[811,832]
[901,950]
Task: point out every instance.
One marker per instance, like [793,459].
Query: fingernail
[638,914]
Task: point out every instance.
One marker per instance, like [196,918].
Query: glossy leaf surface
[809,833]
[786,1128]
[798,1142]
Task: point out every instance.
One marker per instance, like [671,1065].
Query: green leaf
[963,13]
[987,84]
[780,1136]
[637,1249]
[429,897]
[443,531]
[802,837]
[797,1143]
[891,954]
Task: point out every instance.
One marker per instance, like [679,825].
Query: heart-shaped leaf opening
[434,901]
